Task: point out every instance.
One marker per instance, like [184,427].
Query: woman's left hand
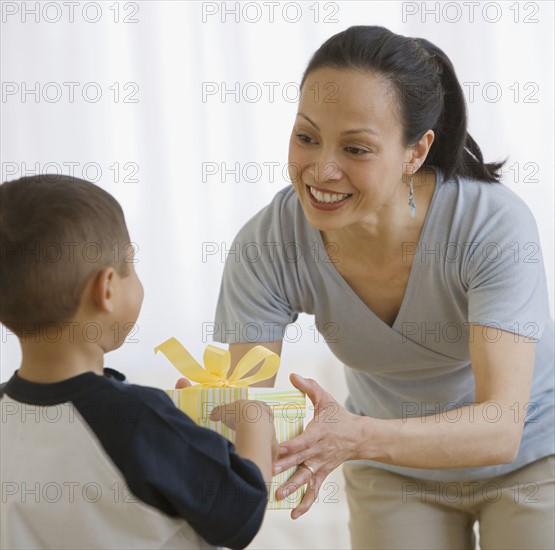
[332,437]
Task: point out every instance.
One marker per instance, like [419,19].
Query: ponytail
[454,149]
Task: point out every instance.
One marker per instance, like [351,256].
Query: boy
[88,461]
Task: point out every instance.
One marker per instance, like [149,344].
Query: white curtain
[190,133]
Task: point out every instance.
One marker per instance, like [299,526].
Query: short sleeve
[506,282]
[252,304]
[189,471]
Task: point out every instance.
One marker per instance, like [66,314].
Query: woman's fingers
[288,458]
[314,391]
[298,479]
[325,406]
[182,383]
[331,438]
[303,476]
[297,444]
[312,490]
[308,443]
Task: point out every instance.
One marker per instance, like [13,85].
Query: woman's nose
[325,169]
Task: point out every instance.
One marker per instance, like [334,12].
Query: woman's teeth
[327,197]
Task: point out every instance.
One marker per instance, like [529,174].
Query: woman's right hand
[332,437]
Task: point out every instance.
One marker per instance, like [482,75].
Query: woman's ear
[103,287]
[419,151]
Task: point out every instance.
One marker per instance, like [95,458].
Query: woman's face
[346,157]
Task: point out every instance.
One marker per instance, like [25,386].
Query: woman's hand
[332,437]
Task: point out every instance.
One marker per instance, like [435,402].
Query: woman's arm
[487,432]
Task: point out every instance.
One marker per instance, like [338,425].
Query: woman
[430,271]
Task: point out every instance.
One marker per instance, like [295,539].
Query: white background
[163,60]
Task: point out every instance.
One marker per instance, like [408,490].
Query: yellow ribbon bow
[217,362]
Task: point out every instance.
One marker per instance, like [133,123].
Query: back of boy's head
[55,233]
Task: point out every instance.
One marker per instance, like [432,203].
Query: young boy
[88,461]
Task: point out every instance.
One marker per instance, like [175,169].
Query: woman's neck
[380,236]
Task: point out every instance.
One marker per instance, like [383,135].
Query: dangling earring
[411,199]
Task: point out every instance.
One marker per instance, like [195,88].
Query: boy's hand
[182,383]
[275,449]
[249,411]
[243,410]
[255,435]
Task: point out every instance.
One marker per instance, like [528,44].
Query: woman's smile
[324,199]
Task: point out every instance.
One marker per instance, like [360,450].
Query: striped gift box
[288,406]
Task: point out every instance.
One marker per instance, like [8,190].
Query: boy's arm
[255,437]
[189,471]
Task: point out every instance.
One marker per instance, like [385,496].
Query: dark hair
[427,93]
[55,233]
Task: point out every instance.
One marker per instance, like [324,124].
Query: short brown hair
[55,232]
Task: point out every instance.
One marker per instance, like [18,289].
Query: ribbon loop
[217,362]
[269,367]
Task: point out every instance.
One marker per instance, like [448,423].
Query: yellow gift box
[215,388]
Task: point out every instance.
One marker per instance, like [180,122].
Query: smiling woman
[448,359]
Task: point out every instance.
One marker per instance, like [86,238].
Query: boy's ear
[103,289]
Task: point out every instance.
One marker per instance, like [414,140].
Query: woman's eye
[356,150]
[303,138]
